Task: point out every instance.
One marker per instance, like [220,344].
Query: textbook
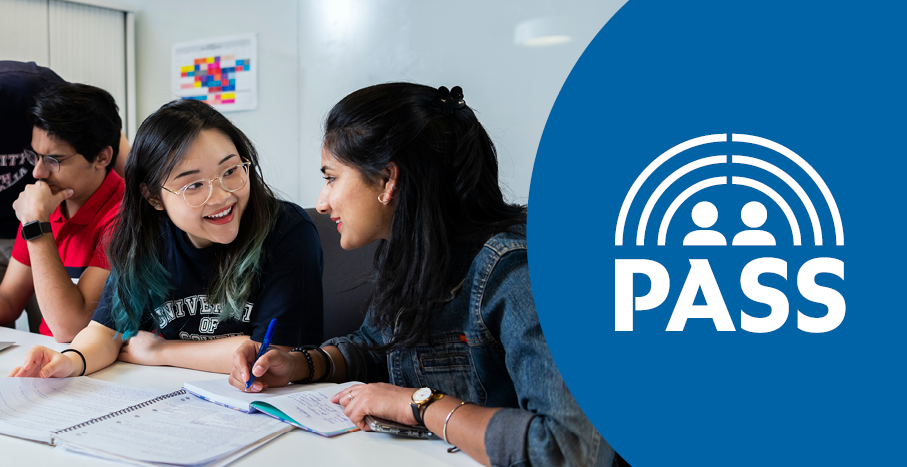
[307,406]
[128,424]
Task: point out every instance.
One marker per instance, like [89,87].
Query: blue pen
[262,350]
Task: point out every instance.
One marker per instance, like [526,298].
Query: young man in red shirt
[59,250]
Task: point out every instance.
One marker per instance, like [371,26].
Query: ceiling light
[542,32]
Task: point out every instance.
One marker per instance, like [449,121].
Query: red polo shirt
[80,239]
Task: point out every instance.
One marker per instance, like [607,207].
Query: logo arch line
[683,196]
[810,171]
[637,184]
[656,195]
[804,198]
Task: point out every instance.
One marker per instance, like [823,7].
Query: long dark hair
[142,282]
[448,201]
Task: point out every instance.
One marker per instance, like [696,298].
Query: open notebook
[125,423]
[307,406]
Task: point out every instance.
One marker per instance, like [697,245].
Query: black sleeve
[291,282]
[102,314]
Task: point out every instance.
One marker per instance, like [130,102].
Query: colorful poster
[222,71]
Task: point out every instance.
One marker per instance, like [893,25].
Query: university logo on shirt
[737,223]
[207,316]
[10,178]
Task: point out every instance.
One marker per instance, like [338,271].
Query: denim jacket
[488,348]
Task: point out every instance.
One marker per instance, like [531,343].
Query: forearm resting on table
[215,356]
[466,428]
[98,345]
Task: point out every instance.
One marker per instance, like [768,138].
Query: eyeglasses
[232,179]
[52,162]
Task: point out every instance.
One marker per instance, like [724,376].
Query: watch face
[421,395]
[31,230]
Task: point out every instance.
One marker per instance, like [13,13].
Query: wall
[81,43]
[273,126]
[314,52]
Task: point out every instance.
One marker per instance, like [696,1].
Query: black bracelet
[308,358]
[84,364]
[327,364]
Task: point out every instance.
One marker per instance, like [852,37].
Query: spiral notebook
[130,424]
[306,406]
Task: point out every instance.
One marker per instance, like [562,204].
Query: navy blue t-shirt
[19,83]
[289,288]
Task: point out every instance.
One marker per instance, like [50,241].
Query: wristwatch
[35,229]
[421,398]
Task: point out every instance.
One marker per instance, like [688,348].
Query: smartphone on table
[381,425]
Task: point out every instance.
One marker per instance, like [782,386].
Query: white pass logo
[761,176]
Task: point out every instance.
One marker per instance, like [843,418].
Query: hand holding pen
[264,348]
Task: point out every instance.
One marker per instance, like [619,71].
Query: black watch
[35,229]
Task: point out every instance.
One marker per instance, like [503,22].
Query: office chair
[345,280]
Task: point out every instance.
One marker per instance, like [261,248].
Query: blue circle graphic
[772,332]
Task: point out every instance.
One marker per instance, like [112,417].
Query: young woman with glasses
[451,339]
[202,257]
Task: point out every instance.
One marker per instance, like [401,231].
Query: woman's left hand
[381,400]
[143,349]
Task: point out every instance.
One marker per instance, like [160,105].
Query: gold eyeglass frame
[182,191]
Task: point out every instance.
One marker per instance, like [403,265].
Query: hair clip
[449,100]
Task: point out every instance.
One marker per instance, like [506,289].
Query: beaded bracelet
[84,364]
[327,363]
[308,358]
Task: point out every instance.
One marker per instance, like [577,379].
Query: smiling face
[75,172]
[217,221]
[352,202]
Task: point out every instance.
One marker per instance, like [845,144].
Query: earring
[387,196]
[157,205]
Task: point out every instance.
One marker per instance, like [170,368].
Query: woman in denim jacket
[452,311]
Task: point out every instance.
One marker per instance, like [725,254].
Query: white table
[294,448]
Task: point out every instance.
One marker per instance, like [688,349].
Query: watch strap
[35,229]
[418,409]
[417,415]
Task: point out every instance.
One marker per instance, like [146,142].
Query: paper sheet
[219,391]
[32,408]
[308,404]
[116,460]
[314,409]
[181,430]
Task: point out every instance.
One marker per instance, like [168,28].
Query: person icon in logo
[704,215]
[754,215]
